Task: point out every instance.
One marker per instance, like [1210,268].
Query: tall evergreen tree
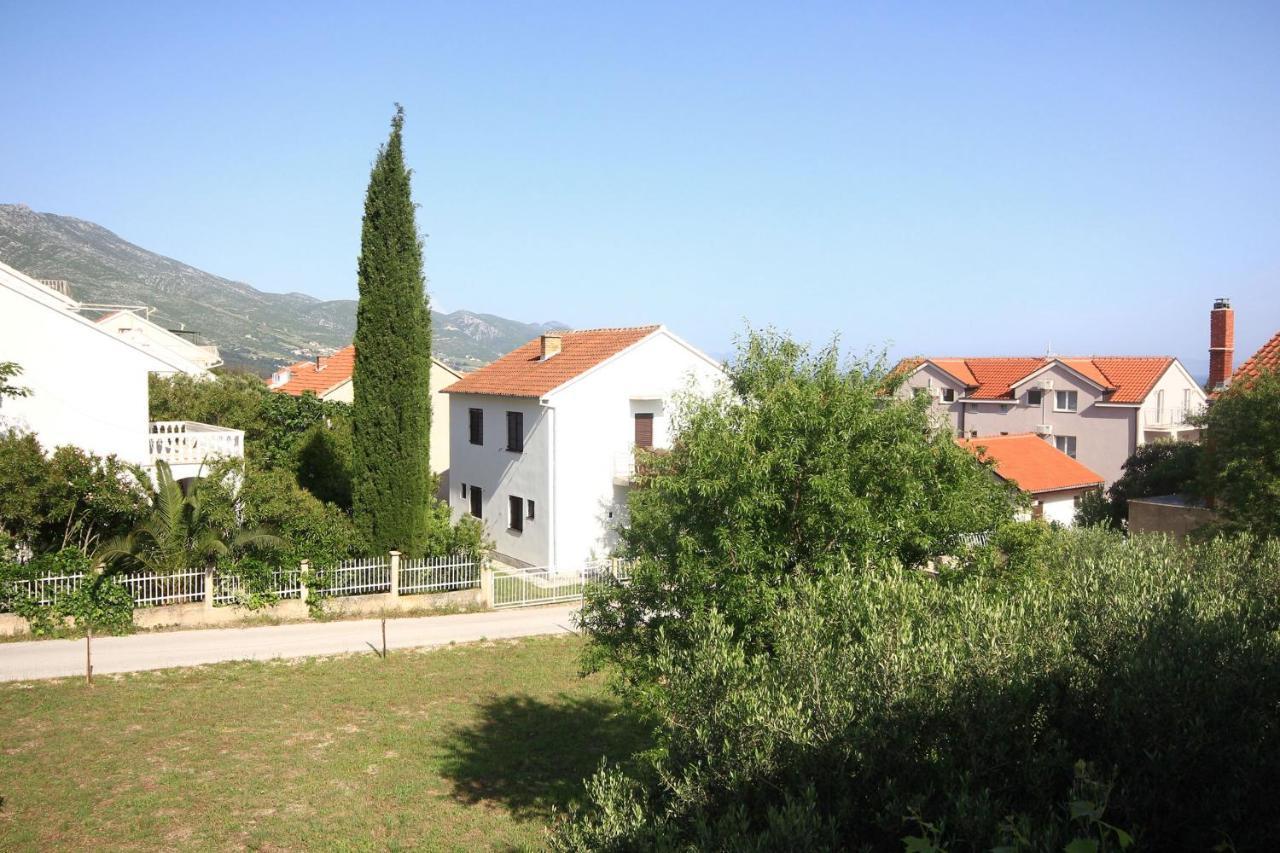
[391,419]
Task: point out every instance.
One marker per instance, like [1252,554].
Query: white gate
[551,584]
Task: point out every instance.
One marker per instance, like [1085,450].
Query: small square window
[1066,443]
[1034,397]
[1065,401]
[948,395]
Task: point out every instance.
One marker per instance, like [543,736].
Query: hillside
[254,329]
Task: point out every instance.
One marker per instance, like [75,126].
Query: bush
[101,603]
[1241,465]
[883,702]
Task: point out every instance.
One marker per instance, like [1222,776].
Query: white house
[329,377]
[543,439]
[135,326]
[88,384]
[1097,409]
[1053,480]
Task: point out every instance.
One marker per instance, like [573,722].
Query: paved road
[58,658]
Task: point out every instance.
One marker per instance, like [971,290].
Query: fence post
[304,575]
[208,589]
[395,573]
[486,585]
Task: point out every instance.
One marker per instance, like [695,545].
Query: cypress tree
[391,418]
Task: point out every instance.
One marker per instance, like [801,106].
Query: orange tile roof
[1128,379]
[334,370]
[1266,359]
[523,373]
[1031,463]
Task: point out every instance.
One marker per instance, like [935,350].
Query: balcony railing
[637,460]
[189,442]
[1169,417]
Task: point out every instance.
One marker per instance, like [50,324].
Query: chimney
[1222,343]
[319,362]
[551,343]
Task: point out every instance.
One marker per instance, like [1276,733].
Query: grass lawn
[468,747]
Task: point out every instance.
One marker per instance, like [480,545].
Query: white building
[330,377]
[88,384]
[543,439]
[135,326]
[1053,481]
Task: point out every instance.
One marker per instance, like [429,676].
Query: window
[477,506]
[1066,443]
[464,491]
[644,430]
[515,520]
[948,395]
[1186,400]
[1034,397]
[1064,401]
[515,432]
[477,426]
[528,505]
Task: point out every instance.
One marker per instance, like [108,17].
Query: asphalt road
[59,658]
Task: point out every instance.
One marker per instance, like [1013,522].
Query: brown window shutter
[644,430]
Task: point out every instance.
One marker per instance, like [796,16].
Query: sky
[945,179]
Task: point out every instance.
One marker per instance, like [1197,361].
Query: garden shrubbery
[888,701]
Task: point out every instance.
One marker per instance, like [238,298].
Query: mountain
[254,330]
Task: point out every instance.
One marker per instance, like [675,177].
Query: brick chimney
[551,343]
[1222,343]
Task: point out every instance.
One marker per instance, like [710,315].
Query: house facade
[544,439]
[329,377]
[89,385]
[1053,481]
[1095,409]
[135,326]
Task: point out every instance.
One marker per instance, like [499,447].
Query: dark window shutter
[477,505]
[516,507]
[529,504]
[644,430]
[477,426]
[515,431]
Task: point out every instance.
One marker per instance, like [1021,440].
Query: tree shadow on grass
[531,755]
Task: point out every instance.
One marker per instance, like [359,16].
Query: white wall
[595,427]
[1059,507]
[89,387]
[1177,387]
[501,473]
[146,335]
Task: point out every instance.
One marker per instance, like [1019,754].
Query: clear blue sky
[942,178]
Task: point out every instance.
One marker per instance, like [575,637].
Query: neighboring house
[544,439]
[1054,481]
[1265,360]
[329,377]
[89,385]
[1096,409]
[134,326]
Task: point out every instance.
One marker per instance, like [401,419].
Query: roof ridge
[610,329]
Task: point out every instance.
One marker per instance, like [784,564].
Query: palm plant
[178,534]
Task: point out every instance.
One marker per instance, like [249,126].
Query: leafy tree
[391,477]
[1241,464]
[1160,468]
[8,370]
[179,533]
[801,466]
[324,463]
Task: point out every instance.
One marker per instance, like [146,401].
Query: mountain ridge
[254,329]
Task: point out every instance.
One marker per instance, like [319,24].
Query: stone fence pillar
[304,580]
[486,584]
[395,573]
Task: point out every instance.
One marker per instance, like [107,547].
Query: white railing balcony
[189,442]
[1170,417]
[624,468]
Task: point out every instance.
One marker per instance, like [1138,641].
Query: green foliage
[391,477]
[324,463]
[100,603]
[181,531]
[9,370]
[1241,465]
[1094,510]
[70,499]
[802,467]
[879,701]
[1160,468]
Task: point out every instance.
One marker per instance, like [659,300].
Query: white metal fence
[149,590]
[360,577]
[438,574]
[551,585]
[232,589]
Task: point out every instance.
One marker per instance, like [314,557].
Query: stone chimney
[1222,343]
[551,344]
[319,362]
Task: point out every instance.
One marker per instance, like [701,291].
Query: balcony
[1170,417]
[627,465]
[187,446]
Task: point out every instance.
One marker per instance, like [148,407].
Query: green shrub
[874,703]
[101,603]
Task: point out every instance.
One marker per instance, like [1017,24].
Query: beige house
[329,377]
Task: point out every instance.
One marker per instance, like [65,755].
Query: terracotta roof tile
[1266,359]
[1031,463]
[523,373]
[334,370]
[1128,379]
